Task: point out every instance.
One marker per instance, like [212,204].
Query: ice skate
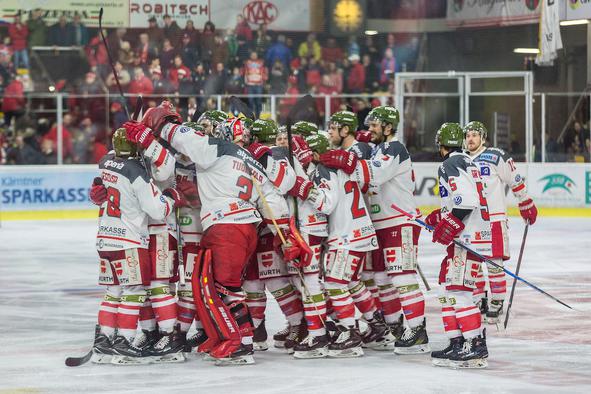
[195,340]
[296,335]
[312,347]
[147,339]
[125,353]
[347,343]
[495,310]
[440,358]
[243,355]
[169,349]
[378,336]
[260,338]
[397,328]
[413,341]
[102,349]
[280,337]
[473,354]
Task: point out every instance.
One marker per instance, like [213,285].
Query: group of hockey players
[199,221]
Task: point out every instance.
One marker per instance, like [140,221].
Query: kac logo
[532,4]
[260,12]
[557,181]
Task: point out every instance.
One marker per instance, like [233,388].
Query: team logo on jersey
[103,267]
[443,191]
[390,255]
[457,200]
[377,163]
[485,171]
[517,178]
[266,259]
[118,268]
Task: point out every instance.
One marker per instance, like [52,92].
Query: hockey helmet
[194,126]
[345,118]
[304,128]
[385,115]
[212,117]
[232,130]
[265,130]
[318,143]
[121,145]
[477,127]
[450,135]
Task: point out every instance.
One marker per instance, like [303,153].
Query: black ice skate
[242,356]
[147,339]
[312,347]
[482,304]
[169,349]
[495,310]
[195,340]
[102,349]
[440,358]
[397,328]
[125,353]
[378,335]
[260,338]
[413,341]
[295,336]
[331,329]
[472,354]
[346,343]
[280,337]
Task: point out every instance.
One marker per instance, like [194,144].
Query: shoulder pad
[395,149]
[279,152]
[452,165]
[130,168]
[362,150]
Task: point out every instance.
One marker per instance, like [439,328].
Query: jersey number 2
[352,187]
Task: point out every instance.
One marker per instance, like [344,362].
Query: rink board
[61,192]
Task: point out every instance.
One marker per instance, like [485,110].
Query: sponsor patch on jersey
[375,208]
[489,157]
[517,178]
[184,129]
[377,163]
[443,191]
[457,200]
[485,171]
[162,199]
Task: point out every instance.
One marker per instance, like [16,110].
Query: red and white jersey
[278,169]
[311,221]
[391,178]
[162,165]
[132,198]
[339,197]
[189,217]
[498,170]
[224,175]
[460,187]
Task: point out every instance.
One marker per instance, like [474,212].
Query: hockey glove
[447,229]
[301,150]
[98,192]
[258,151]
[301,189]
[363,136]
[189,191]
[289,250]
[157,117]
[433,218]
[340,159]
[138,133]
[528,210]
[177,196]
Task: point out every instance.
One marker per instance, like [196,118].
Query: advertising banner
[116,12]
[560,184]
[196,10]
[578,9]
[276,14]
[478,13]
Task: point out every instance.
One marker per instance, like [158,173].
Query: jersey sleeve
[385,165]
[162,162]
[274,205]
[192,143]
[280,173]
[510,176]
[326,183]
[151,199]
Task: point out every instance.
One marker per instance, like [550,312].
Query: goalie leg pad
[199,281]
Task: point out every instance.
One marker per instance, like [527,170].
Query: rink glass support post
[273,107]
[219,102]
[327,110]
[543,125]
[60,129]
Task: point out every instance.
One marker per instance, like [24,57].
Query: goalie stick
[484,259]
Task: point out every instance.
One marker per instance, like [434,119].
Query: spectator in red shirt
[140,83]
[18,33]
[66,138]
[13,103]
[243,28]
[356,80]
[332,52]
[255,76]
[179,72]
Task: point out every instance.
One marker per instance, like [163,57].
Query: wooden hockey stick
[516,273]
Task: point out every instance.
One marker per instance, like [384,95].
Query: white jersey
[189,217]
[391,178]
[339,197]
[162,165]
[132,198]
[278,170]
[224,175]
[460,187]
[311,221]
[498,170]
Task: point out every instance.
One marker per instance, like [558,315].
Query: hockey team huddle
[199,221]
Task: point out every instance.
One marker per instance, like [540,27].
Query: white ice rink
[49,301]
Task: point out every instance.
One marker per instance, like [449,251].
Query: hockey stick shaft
[516,273]
[420,271]
[179,248]
[484,259]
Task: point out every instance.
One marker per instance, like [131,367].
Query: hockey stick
[179,248]
[516,273]
[484,259]
[78,361]
[420,271]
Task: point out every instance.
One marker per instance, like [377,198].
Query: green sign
[588,188]
[557,181]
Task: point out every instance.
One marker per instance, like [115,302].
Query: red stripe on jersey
[365,171]
[157,225]
[315,224]
[118,239]
[495,214]
[239,211]
[388,218]
[278,221]
[171,133]
[362,238]
[518,188]
[481,242]
[160,160]
[280,176]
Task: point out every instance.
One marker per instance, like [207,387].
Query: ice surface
[49,302]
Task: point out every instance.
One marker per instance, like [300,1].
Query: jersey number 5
[352,187]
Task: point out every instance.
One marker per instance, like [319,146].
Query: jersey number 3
[352,187]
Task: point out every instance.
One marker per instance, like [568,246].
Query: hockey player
[225,175]
[342,133]
[463,217]
[211,119]
[497,170]
[129,199]
[351,236]
[267,269]
[390,173]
